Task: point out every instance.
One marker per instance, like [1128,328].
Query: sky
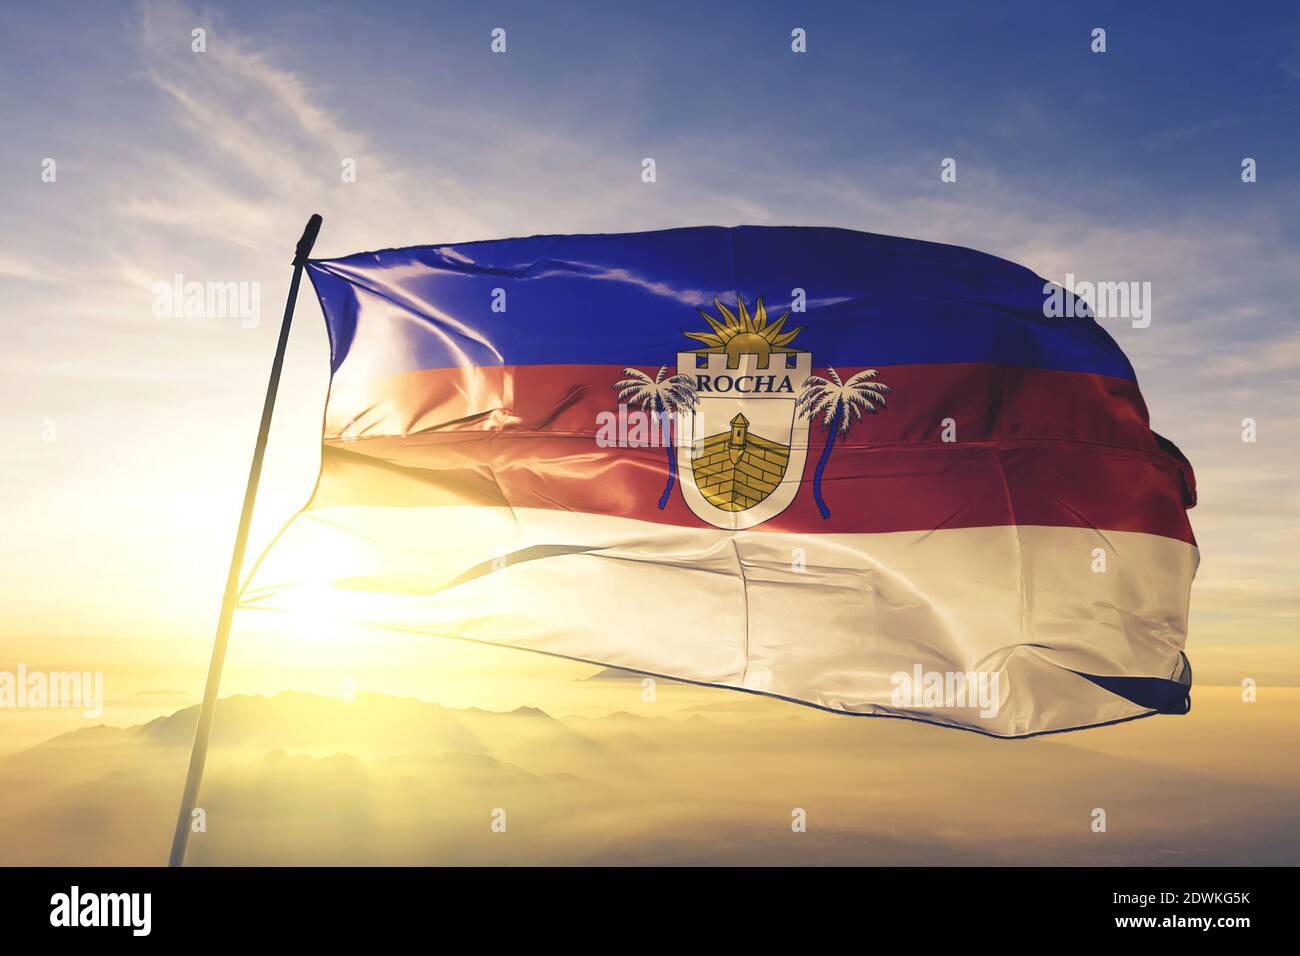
[125,439]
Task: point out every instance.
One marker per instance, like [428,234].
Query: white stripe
[828,619]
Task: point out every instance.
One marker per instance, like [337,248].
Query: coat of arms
[740,409]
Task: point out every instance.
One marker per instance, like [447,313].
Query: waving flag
[853,471]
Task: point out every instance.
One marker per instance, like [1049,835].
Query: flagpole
[199,750]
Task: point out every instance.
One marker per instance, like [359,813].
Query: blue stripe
[1163,695]
[627,299]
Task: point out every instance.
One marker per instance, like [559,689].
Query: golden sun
[745,334]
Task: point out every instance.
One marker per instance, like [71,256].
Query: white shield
[742,450]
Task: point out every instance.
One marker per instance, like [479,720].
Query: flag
[863,473]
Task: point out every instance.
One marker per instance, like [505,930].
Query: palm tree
[662,396]
[841,405]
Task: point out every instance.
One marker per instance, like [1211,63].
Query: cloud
[256,152]
[13,267]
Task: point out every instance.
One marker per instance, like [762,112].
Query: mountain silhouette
[298,778]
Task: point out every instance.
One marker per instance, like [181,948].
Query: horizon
[600,781]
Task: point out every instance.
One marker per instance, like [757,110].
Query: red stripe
[876,489]
[1032,446]
[985,402]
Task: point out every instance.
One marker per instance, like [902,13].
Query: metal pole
[199,751]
